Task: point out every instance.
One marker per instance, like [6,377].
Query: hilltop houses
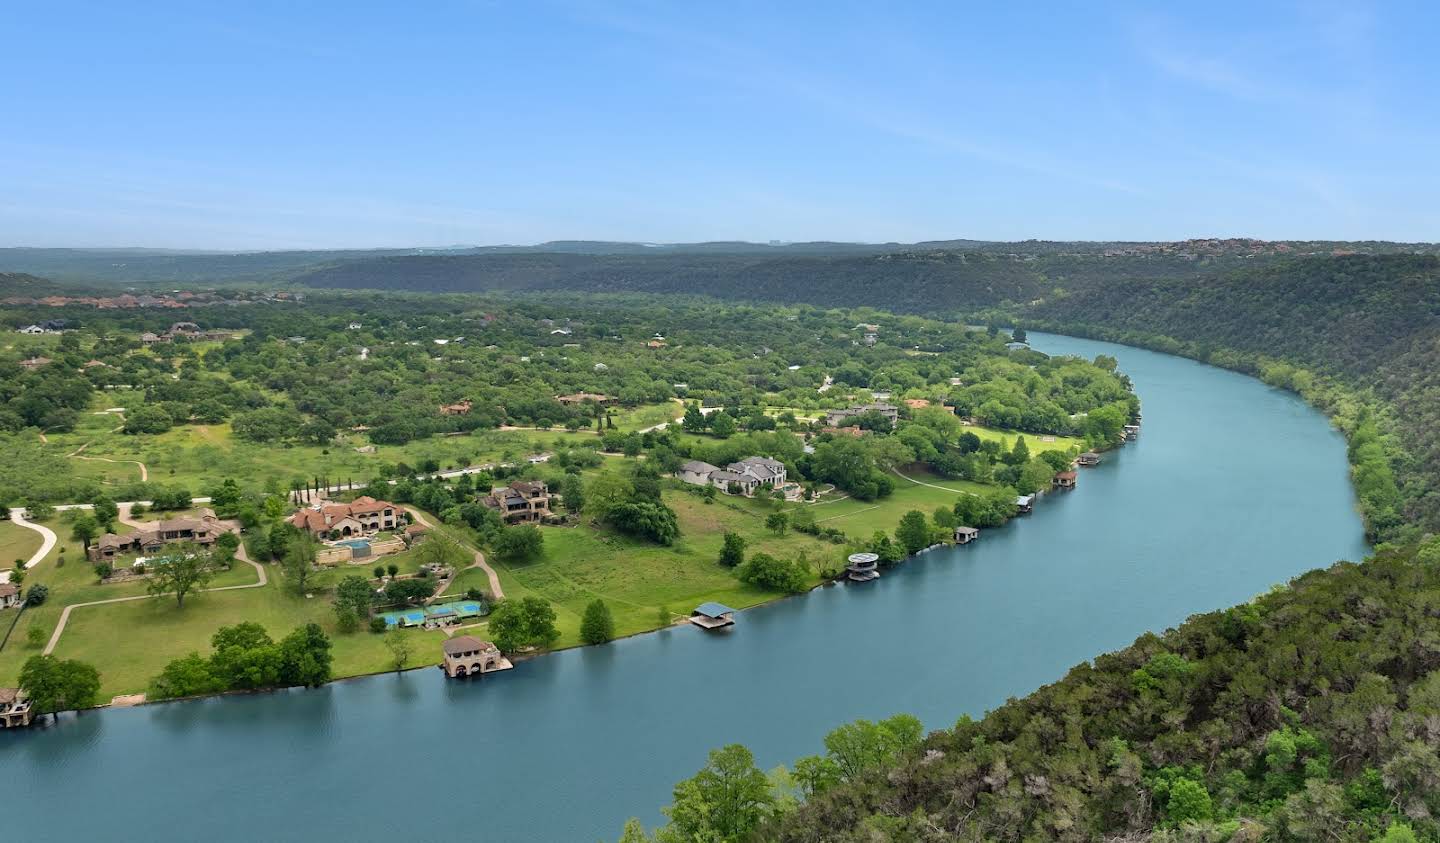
[359,517]
[745,476]
[521,502]
[203,530]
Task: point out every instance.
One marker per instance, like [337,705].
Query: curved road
[47,536]
[495,589]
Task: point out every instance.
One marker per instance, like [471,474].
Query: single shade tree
[598,625]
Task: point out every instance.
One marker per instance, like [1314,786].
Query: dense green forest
[1311,713]
[1356,335]
[405,368]
[1353,333]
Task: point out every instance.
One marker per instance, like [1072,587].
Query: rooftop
[713,610]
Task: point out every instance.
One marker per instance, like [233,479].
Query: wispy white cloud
[729,61]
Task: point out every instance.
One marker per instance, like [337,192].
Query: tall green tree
[84,530]
[913,534]
[185,568]
[724,802]
[598,625]
[298,563]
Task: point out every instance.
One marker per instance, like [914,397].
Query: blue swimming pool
[358,544]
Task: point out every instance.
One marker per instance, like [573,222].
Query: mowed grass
[637,579]
[16,542]
[132,642]
[1034,441]
[860,519]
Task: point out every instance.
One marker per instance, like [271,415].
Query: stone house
[466,655]
[202,530]
[521,502]
[14,708]
[10,595]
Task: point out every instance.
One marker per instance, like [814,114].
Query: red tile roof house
[360,516]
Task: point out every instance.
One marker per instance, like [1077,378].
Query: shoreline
[517,659]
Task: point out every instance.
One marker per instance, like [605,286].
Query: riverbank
[1153,536]
[130,636]
[1348,408]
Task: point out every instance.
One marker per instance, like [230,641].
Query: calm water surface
[1232,487]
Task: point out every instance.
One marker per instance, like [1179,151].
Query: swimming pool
[358,544]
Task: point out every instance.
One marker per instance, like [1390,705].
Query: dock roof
[713,609]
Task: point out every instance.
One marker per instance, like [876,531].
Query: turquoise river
[1232,488]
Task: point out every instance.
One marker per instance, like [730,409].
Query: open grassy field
[639,579]
[201,456]
[860,519]
[1034,441]
[16,543]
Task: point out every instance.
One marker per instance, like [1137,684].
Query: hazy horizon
[273,127]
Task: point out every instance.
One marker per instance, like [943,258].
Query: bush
[766,571]
[103,570]
[377,625]
[36,594]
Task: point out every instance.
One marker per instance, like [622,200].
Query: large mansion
[521,502]
[746,475]
[360,516]
[202,530]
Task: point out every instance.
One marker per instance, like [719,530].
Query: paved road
[496,590]
[47,535]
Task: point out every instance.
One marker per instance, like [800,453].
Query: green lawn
[16,542]
[1034,441]
[637,579]
[860,519]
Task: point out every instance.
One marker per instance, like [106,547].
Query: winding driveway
[47,536]
[495,589]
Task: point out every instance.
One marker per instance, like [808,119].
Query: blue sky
[299,125]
